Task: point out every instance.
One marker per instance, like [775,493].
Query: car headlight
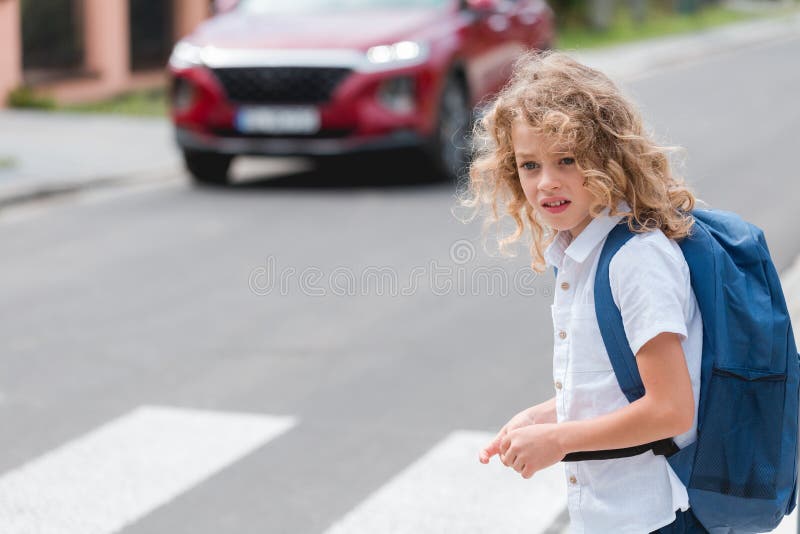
[186,55]
[404,52]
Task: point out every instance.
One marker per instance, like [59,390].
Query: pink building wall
[106,28]
[10,48]
[107,41]
[188,14]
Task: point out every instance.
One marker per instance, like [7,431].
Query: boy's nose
[548,181]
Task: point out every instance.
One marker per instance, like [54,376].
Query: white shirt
[651,286]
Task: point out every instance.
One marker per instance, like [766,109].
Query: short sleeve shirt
[650,284]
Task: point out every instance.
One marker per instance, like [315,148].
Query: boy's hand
[531,448]
[520,420]
[541,413]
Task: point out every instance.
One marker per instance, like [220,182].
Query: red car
[329,77]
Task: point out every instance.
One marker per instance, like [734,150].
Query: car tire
[207,167]
[450,147]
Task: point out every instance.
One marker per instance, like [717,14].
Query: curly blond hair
[581,109]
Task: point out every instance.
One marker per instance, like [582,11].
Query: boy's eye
[568,161]
[530,165]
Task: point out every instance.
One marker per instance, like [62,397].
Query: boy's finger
[490,450]
[487,453]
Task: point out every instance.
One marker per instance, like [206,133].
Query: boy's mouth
[556,205]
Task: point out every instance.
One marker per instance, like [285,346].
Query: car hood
[351,30]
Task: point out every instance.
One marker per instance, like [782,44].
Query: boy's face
[551,180]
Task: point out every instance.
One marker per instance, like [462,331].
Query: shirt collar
[591,236]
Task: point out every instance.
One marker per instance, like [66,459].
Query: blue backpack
[741,472]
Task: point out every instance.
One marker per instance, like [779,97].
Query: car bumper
[274,146]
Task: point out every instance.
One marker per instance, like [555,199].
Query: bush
[26,97]
[570,12]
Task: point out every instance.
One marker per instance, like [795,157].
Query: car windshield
[316,6]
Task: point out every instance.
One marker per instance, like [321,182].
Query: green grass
[26,98]
[150,102]
[657,24]
[7,162]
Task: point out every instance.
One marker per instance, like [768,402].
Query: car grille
[281,85]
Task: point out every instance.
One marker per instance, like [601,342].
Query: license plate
[278,120]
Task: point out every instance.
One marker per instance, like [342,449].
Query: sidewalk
[630,61]
[44,153]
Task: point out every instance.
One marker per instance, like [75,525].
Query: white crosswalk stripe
[448,490]
[116,474]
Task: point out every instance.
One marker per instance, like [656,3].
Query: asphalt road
[157,297]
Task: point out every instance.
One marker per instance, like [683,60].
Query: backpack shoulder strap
[619,351]
[609,318]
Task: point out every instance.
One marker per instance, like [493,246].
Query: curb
[20,195]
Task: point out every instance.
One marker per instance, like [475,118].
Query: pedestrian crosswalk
[448,490]
[122,471]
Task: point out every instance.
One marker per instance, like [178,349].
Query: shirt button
[564,285]
[573,480]
[558,385]
[562,334]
